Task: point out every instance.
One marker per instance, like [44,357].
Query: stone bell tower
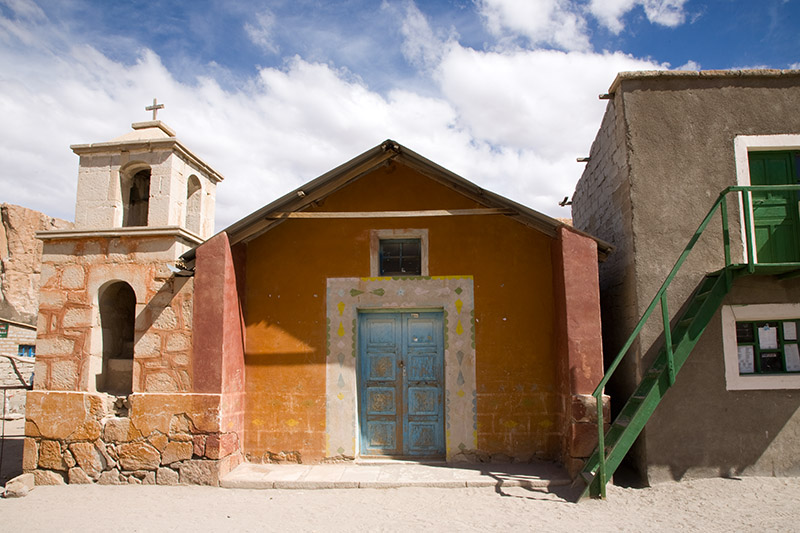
[115,380]
[112,317]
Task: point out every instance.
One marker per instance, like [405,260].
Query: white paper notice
[746,362]
[792,358]
[768,338]
[790,331]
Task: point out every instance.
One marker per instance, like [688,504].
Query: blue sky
[274,93]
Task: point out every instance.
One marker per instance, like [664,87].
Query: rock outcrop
[21,260]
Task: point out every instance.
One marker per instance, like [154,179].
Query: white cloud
[25,9]
[690,65]
[664,12]
[513,122]
[421,47]
[552,22]
[260,31]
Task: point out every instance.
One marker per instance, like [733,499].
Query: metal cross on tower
[154,108]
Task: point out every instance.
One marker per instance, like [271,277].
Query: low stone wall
[164,439]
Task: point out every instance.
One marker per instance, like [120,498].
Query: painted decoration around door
[454,296]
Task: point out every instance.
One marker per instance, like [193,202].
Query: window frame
[377,235]
[731,314]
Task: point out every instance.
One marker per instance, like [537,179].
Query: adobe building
[669,144]
[388,308]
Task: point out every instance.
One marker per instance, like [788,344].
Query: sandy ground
[748,504]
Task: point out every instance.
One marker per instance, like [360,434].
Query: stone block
[54,346]
[161,382]
[77,317]
[63,375]
[199,445]
[110,477]
[154,412]
[582,439]
[149,478]
[30,454]
[20,486]
[165,319]
[77,476]
[158,440]
[119,429]
[52,299]
[179,342]
[73,277]
[166,476]
[221,445]
[47,477]
[58,415]
[148,344]
[89,458]
[69,460]
[199,472]
[138,456]
[50,455]
[176,451]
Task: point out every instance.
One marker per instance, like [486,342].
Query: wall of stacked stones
[165,439]
[163,432]
[73,272]
[601,206]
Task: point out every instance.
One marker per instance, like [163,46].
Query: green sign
[3,330]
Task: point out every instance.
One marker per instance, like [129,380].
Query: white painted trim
[742,145]
[376,235]
[345,298]
[733,313]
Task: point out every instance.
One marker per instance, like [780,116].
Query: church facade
[388,308]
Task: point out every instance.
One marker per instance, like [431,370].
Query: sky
[275,93]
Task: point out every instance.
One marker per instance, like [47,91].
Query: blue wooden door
[401,373]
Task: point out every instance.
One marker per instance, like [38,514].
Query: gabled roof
[303,197]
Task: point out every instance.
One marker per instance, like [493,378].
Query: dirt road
[749,504]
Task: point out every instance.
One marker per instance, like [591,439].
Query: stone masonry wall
[69,336]
[601,206]
[20,260]
[164,439]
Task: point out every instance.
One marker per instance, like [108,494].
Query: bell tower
[115,313]
[145,180]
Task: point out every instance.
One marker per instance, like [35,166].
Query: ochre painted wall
[519,409]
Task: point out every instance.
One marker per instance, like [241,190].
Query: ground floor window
[761,346]
[26,350]
[767,347]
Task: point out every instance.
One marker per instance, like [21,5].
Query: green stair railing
[679,340]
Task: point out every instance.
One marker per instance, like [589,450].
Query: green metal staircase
[680,336]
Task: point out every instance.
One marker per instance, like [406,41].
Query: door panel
[401,383]
[380,389]
[775,213]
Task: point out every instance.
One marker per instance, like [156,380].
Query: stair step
[622,422]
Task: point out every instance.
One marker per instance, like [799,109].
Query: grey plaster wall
[701,429]
[678,132]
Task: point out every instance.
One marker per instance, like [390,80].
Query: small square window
[26,350]
[400,257]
